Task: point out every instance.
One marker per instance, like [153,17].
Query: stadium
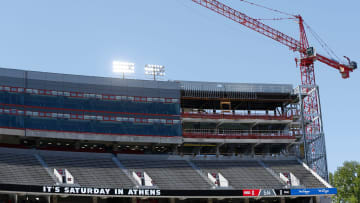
[72,138]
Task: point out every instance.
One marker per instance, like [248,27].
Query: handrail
[235,116]
[238,134]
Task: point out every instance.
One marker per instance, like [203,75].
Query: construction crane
[312,130]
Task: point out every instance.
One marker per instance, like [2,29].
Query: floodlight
[123,67]
[154,70]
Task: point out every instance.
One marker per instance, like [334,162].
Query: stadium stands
[89,169]
[166,174]
[293,166]
[241,173]
[20,166]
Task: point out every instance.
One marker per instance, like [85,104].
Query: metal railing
[238,134]
[235,116]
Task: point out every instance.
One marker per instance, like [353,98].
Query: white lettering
[130,192]
[107,191]
[66,190]
[158,193]
[57,189]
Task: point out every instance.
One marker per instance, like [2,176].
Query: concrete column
[133,200]
[253,150]
[317,199]
[246,200]
[94,199]
[48,199]
[282,200]
[15,198]
[54,199]
[172,200]
[175,149]
[210,200]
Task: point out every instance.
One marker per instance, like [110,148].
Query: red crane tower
[312,130]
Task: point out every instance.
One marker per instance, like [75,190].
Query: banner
[153,192]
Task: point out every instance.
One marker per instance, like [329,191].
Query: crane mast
[312,130]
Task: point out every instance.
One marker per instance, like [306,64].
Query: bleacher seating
[89,169]
[293,166]
[166,174]
[20,166]
[241,174]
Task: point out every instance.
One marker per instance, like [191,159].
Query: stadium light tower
[123,67]
[154,70]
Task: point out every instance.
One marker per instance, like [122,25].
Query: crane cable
[267,8]
[322,43]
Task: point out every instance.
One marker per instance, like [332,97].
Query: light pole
[123,67]
[154,70]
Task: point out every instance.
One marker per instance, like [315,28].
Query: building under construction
[83,138]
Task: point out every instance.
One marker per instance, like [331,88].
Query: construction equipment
[314,140]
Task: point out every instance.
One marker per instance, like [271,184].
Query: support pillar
[282,200]
[15,198]
[172,200]
[246,200]
[48,199]
[94,199]
[133,200]
[54,199]
[253,150]
[210,200]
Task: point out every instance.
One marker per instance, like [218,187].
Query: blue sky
[85,36]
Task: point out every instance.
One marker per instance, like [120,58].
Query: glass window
[162,99]
[59,93]
[48,92]
[35,113]
[73,94]
[20,112]
[175,100]
[99,118]
[7,88]
[67,94]
[6,110]
[131,119]
[149,99]
[41,92]
[118,97]
[54,115]
[112,97]
[1,110]
[54,93]
[66,115]
[162,121]
[14,89]
[176,121]
[1,88]
[20,89]
[130,98]
[28,113]
[35,91]
[99,96]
